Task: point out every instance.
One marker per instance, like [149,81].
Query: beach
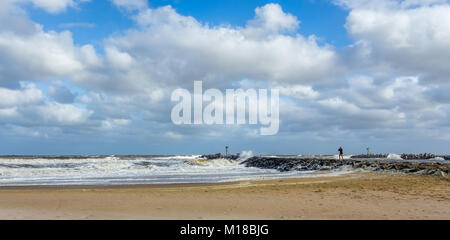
[359,195]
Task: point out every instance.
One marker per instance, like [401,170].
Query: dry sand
[352,196]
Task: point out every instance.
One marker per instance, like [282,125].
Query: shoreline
[113,186]
[361,195]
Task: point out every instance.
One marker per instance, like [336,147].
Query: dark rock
[418,156]
[311,164]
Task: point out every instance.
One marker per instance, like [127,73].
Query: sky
[96,76]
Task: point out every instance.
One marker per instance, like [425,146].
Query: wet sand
[351,196]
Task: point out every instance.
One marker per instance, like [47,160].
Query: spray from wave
[245,155]
[394,156]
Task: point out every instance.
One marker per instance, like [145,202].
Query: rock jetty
[220,155]
[370,156]
[303,164]
[418,156]
[404,156]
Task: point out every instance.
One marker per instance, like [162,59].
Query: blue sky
[95,77]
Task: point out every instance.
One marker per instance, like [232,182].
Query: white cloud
[8,113]
[110,124]
[118,59]
[399,103]
[62,114]
[77,24]
[30,52]
[155,55]
[386,4]
[60,93]
[51,6]
[270,18]
[298,91]
[407,37]
[131,4]
[28,94]
[350,110]
[174,135]
[42,55]
[27,106]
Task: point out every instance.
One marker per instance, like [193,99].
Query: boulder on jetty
[418,156]
[220,155]
[312,164]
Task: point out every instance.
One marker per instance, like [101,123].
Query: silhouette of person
[341,153]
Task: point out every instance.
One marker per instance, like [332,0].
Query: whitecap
[394,156]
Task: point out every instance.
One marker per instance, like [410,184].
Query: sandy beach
[351,196]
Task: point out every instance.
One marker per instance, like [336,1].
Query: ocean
[125,170]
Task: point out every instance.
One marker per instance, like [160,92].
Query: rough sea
[124,170]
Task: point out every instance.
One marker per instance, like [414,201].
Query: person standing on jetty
[341,154]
